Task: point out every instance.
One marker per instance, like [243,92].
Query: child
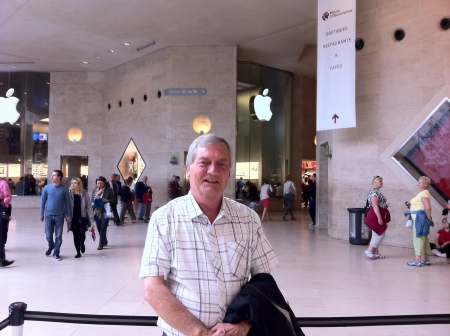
[441,246]
[148,203]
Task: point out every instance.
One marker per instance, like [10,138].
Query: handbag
[108,211]
[409,223]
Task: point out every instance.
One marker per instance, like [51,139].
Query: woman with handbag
[81,214]
[377,218]
[266,190]
[100,196]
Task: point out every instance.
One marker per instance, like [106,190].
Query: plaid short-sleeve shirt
[204,264]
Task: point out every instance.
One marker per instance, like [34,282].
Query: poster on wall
[247,170]
[336,34]
[14,170]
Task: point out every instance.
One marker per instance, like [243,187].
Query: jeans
[141,210]
[102,227]
[312,209]
[54,225]
[288,204]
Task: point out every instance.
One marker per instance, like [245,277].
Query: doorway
[75,166]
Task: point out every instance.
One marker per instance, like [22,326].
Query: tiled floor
[319,276]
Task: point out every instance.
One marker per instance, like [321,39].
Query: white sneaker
[442,255]
[369,254]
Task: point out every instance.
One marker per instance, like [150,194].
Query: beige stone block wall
[75,101]
[398,84]
[160,127]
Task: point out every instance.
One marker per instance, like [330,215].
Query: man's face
[55,177]
[111,178]
[209,173]
[145,179]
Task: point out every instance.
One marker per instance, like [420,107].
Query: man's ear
[188,171]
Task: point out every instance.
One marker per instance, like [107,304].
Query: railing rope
[18,314]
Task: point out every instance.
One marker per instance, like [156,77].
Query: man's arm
[167,306]
[43,202]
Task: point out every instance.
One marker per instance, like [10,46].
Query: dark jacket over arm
[261,304]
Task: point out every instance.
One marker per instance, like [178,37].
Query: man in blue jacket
[56,204]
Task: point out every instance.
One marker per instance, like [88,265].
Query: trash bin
[360,234]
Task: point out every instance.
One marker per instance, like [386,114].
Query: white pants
[376,239]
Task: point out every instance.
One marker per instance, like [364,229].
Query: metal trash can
[359,233]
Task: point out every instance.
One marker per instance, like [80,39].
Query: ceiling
[58,35]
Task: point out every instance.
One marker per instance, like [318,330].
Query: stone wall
[161,127]
[398,84]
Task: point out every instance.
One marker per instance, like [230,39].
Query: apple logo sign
[260,106]
[8,112]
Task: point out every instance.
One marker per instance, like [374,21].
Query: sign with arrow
[336,64]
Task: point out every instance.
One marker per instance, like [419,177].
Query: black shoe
[5,263]
[78,255]
[48,252]
[83,248]
[57,257]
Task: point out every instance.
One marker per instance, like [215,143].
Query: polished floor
[319,277]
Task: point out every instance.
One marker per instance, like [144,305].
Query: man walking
[202,248]
[140,189]
[113,203]
[5,214]
[55,202]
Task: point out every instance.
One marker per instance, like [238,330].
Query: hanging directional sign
[336,64]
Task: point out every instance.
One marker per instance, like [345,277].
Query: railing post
[16,318]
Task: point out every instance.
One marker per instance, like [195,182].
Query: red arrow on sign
[335,117]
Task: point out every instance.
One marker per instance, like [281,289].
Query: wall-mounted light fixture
[74,134]
[201,125]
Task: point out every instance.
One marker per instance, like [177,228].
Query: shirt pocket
[237,254]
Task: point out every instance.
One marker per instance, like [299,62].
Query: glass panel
[24,143]
[426,151]
[262,146]
[131,163]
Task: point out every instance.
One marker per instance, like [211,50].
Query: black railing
[18,314]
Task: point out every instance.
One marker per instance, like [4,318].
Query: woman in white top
[266,189]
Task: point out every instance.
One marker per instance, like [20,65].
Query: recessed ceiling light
[110,50]
[13,67]
[85,62]
[126,43]
[98,57]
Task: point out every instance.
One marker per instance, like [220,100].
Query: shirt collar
[195,211]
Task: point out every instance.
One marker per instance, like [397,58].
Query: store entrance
[75,166]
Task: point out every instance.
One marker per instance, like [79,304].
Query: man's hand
[235,329]
[69,220]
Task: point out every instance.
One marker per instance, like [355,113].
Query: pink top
[5,193]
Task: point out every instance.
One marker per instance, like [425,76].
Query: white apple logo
[261,106]
[8,112]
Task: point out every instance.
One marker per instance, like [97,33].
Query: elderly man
[201,248]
